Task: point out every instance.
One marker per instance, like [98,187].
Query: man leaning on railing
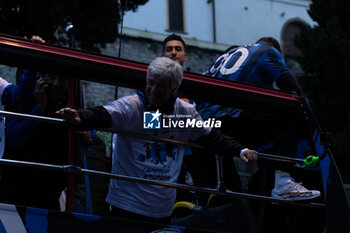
[148,159]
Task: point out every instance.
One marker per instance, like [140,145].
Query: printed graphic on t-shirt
[158,153]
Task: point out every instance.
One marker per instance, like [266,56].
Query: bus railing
[218,191]
[82,171]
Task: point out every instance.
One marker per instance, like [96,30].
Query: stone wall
[8,73]
[142,50]
[145,50]
[135,49]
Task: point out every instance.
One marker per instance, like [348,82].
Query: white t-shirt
[3,85]
[147,159]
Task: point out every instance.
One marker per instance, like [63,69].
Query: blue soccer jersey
[257,64]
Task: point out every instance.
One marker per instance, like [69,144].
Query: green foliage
[95,22]
[107,139]
[326,61]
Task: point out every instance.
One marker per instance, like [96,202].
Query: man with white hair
[143,158]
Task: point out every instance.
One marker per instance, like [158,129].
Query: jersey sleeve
[275,63]
[21,96]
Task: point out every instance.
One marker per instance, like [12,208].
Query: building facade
[214,24]
[208,27]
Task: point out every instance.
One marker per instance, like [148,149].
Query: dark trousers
[252,130]
[120,213]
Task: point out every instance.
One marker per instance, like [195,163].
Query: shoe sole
[296,198]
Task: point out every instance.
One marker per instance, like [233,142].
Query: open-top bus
[244,212]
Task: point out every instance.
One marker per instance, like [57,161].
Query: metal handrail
[143,136]
[79,170]
[32,117]
[280,158]
[82,171]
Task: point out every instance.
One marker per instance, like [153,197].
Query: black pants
[252,130]
[120,213]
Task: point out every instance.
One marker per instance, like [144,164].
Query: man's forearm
[287,83]
[216,142]
[92,118]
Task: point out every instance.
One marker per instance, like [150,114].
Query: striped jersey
[257,64]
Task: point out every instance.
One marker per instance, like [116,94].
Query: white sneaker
[294,191]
